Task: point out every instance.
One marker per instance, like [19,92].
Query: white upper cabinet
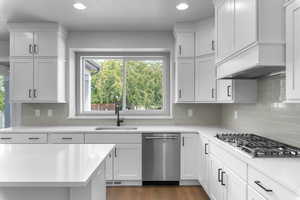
[250,38]
[185,44]
[205,40]
[225,28]
[205,80]
[46,43]
[236,91]
[21,44]
[185,80]
[293,51]
[21,87]
[37,59]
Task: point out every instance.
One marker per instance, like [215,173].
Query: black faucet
[117,112]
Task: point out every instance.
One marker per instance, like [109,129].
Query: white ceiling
[103,15]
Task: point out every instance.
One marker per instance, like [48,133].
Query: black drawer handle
[66,138]
[6,138]
[33,138]
[263,187]
[222,178]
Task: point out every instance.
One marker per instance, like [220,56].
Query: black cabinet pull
[263,187]
[6,138]
[115,152]
[219,173]
[222,178]
[205,148]
[213,45]
[183,141]
[34,138]
[66,138]
[228,90]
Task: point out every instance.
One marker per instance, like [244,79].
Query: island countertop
[50,165]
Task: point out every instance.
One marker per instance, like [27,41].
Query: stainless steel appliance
[161,158]
[258,146]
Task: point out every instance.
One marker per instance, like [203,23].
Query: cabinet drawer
[23,138]
[237,166]
[66,138]
[267,187]
[113,138]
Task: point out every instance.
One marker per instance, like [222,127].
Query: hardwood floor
[156,193]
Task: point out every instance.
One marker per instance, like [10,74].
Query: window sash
[126,57]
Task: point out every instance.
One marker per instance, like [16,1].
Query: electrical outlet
[190,113]
[50,112]
[236,114]
[37,112]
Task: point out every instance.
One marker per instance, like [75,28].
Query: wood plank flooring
[157,193]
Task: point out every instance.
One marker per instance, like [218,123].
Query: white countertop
[50,165]
[282,170]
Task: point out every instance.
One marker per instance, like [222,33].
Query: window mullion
[124,73]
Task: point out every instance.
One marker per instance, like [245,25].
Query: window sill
[122,117]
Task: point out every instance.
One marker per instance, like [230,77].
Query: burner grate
[259,146]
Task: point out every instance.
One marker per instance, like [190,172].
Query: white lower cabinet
[253,195]
[226,183]
[124,163]
[216,187]
[204,163]
[67,138]
[189,146]
[234,187]
[35,138]
[128,162]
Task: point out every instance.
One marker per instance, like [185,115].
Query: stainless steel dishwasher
[161,158]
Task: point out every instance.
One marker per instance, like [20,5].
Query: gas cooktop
[258,146]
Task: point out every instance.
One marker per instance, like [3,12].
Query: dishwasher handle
[161,137]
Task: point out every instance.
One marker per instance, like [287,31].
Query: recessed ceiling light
[182,6]
[79,6]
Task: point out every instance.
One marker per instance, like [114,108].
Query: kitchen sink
[116,128]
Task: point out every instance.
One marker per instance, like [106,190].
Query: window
[4,101]
[138,82]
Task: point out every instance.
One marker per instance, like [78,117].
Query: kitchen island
[53,171]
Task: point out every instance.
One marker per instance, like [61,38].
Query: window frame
[165,112]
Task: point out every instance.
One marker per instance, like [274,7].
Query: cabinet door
[22,44]
[21,80]
[224,90]
[185,44]
[245,23]
[235,188]
[45,80]
[205,37]
[216,189]
[253,195]
[189,147]
[109,167]
[45,43]
[293,51]
[185,80]
[204,164]
[225,28]
[128,162]
[205,80]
